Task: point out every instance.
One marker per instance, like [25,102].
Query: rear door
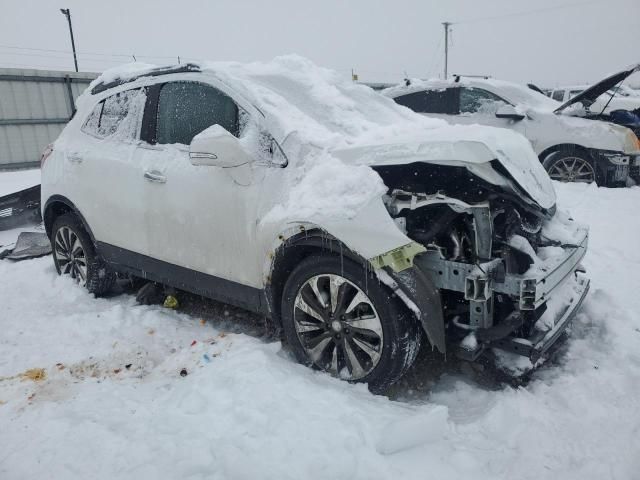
[106,181]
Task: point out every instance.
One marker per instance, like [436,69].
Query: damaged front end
[508,271]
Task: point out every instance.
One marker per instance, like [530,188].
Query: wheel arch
[412,286]
[58,205]
[291,251]
[564,146]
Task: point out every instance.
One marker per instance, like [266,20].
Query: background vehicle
[616,98]
[570,148]
[607,100]
[261,185]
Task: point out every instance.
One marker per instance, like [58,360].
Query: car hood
[592,93]
[519,168]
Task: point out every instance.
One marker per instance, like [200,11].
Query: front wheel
[566,166]
[75,256]
[338,318]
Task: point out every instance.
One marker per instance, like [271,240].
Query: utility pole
[67,13]
[446,47]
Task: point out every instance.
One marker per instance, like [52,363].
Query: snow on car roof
[298,96]
[512,92]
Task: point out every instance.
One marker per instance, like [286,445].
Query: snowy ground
[246,410]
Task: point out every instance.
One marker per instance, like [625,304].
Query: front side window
[477,100]
[187,108]
[429,101]
[119,113]
[558,95]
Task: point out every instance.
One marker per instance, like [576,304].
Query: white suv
[277,187]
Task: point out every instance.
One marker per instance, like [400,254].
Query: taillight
[45,154]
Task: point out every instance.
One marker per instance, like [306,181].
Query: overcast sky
[523,41]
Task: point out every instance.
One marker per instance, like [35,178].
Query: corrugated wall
[35,105]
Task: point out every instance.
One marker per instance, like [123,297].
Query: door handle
[155,176]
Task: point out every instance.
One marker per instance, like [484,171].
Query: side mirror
[216,147]
[507,111]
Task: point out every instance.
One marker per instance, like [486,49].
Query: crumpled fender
[370,233]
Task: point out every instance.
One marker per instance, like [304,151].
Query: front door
[197,217]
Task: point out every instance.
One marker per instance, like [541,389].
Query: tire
[372,340]
[568,165]
[83,265]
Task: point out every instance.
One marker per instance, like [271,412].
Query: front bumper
[615,166]
[634,169]
[541,340]
[557,281]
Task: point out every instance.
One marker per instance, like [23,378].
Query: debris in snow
[35,374]
[29,245]
[193,343]
[183,372]
[170,302]
[206,358]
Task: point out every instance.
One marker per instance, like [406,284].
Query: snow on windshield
[522,95]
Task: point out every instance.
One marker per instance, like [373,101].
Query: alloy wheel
[572,169]
[338,326]
[70,255]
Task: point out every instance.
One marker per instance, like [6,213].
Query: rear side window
[558,95]
[430,101]
[117,113]
[187,108]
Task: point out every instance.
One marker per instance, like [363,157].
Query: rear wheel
[75,256]
[566,166]
[338,318]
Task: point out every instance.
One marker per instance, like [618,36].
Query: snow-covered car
[571,149]
[358,226]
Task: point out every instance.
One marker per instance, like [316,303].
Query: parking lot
[110,400]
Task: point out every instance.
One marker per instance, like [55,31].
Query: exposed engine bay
[486,250]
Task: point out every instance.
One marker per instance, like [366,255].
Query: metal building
[35,105]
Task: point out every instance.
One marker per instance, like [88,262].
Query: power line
[101,54]
[528,12]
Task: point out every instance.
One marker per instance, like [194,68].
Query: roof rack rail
[458,75]
[183,68]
